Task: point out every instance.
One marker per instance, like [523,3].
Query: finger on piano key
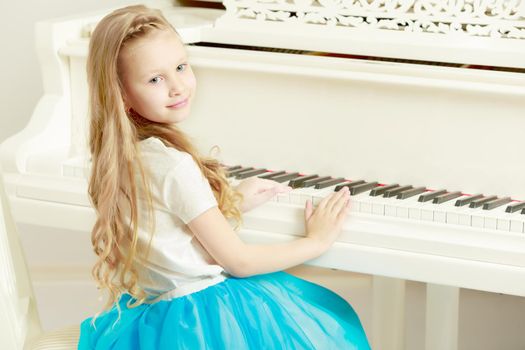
[514,207]
[319,191]
[302,189]
[319,195]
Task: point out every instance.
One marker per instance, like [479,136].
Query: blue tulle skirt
[272,311]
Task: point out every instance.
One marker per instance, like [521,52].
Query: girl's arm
[240,259]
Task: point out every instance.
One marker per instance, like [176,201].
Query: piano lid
[466,32]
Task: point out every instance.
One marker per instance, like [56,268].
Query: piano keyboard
[400,201]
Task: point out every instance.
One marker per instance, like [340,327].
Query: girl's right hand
[324,223]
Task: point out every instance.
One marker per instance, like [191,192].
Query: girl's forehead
[154,43]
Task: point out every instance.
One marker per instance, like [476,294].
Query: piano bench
[61,339]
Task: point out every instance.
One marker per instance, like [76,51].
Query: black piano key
[411,192]
[465,201]
[479,202]
[395,191]
[378,191]
[285,177]
[328,183]
[523,211]
[514,207]
[272,174]
[496,203]
[362,188]
[298,182]
[446,197]
[430,195]
[315,181]
[238,171]
[350,185]
[250,173]
[230,168]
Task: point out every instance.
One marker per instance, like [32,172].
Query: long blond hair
[116,166]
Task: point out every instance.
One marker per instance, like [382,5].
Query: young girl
[177,275]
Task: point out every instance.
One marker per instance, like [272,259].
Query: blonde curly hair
[116,166]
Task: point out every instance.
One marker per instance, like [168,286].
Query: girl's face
[157,80]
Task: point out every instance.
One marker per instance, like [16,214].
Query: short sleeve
[186,192]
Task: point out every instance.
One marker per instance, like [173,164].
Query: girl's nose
[177,87]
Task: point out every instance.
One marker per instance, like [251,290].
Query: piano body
[423,93]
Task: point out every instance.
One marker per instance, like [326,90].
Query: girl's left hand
[257,191]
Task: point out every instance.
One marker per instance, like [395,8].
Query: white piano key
[453,213]
[414,213]
[427,212]
[367,202]
[503,224]
[440,215]
[476,220]
[492,217]
[390,207]
[358,200]
[300,195]
[516,225]
[405,206]
[465,217]
[418,210]
[378,205]
[283,197]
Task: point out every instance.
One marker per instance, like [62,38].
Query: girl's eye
[155,80]
[181,67]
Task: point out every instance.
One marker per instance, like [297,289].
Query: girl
[177,275]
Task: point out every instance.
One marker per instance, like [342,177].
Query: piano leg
[442,312]
[388,315]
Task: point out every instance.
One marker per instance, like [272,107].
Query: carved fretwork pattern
[491,18]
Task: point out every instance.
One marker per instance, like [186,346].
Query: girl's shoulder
[154,150]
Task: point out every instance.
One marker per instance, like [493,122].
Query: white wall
[21,82]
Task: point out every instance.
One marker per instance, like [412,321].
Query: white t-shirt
[177,263]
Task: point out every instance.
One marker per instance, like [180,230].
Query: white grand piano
[427,94]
